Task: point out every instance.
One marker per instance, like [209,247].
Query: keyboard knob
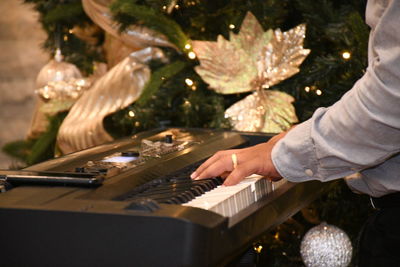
[168,139]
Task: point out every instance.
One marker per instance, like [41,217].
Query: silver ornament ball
[57,70]
[326,246]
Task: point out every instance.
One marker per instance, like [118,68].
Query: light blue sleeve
[361,130]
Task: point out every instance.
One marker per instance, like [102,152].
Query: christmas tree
[175,94]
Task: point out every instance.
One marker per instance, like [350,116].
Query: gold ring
[234,160]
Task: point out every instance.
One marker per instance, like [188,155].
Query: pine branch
[44,146]
[67,13]
[18,149]
[128,13]
[157,79]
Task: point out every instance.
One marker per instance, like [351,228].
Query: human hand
[251,160]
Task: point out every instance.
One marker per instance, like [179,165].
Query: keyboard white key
[229,200]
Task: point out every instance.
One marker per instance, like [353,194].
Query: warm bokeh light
[191,55]
[346,55]
[189,82]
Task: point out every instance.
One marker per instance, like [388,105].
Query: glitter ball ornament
[326,246]
[59,84]
[63,90]
[57,70]
[53,77]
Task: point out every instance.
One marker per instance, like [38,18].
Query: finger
[219,167]
[206,164]
[242,171]
[216,157]
[224,175]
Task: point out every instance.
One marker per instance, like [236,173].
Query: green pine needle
[157,79]
[44,147]
[152,19]
[64,13]
[32,151]
[18,149]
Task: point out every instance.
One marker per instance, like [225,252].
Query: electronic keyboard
[141,208]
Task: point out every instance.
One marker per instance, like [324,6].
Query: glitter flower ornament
[254,60]
[230,67]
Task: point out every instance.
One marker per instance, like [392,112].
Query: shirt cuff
[294,157]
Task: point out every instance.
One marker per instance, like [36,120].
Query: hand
[251,160]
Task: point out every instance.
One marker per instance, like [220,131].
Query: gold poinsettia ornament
[254,60]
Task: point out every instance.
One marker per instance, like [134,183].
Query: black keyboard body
[135,218]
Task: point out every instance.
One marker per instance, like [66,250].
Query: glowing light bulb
[131,114]
[276,236]
[258,248]
[231,26]
[189,82]
[346,55]
[318,92]
[191,55]
[188,46]
[307,89]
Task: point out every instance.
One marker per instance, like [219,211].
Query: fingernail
[193,175]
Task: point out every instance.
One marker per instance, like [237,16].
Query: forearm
[362,129]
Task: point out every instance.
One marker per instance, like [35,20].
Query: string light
[177,6]
[231,26]
[258,249]
[194,87]
[65,37]
[346,55]
[188,46]
[71,31]
[191,55]
[164,7]
[276,236]
[189,82]
[313,88]
[131,114]
[137,124]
